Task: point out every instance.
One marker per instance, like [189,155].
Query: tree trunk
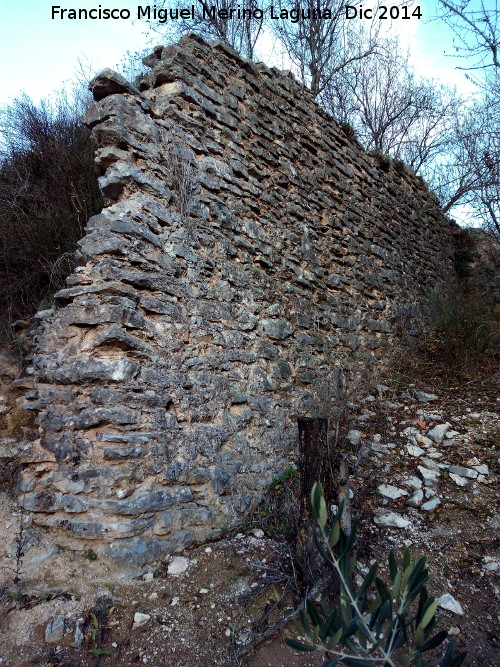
[317,464]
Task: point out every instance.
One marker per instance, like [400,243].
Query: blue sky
[38,54]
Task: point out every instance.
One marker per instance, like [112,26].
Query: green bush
[376,623]
[48,190]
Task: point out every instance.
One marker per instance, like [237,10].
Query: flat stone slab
[429,477]
[464,472]
[423,440]
[392,492]
[460,481]
[448,602]
[414,450]
[431,504]
[424,397]
[390,519]
[437,433]
[413,481]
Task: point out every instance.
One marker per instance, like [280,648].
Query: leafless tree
[238,25]
[319,41]
[473,174]
[393,111]
[469,172]
[476,26]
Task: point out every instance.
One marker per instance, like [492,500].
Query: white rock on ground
[448,602]
[178,565]
[413,450]
[464,472]
[491,564]
[460,481]
[430,477]
[390,519]
[416,498]
[430,464]
[423,439]
[140,619]
[423,397]
[354,437]
[413,481]
[257,532]
[437,433]
[431,504]
[391,492]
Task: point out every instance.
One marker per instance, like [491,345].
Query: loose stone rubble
[252,262]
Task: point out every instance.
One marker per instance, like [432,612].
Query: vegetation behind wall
[48,190]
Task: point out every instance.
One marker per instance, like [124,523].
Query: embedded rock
[54,632]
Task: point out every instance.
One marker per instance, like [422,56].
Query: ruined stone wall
[251,258]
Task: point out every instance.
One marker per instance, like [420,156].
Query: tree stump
[317,464]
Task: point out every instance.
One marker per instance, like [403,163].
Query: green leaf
[298,646]
[368,580]
[331,626]
[321,550]
[316,495]
[429,611]
[458,660]
[313,613]
[350,541]
[396,587]
[334,535]
[333,641]
[448,656]
[449,660]
[305,621]
[101,651]
[393,568]
[94,619]
[404,660]
[332,663]
[435,641]
[406,559]
[419,637]
[382,590]
[323,514]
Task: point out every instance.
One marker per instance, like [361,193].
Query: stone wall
[251,260]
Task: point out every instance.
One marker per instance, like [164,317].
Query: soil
[237,587]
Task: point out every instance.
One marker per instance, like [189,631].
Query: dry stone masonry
[252,261]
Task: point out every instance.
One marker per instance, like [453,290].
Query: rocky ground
[424,470]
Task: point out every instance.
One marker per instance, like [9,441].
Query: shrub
[465,329]
[462,260]
[48,190]
[378,623]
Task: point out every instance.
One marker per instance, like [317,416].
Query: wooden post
[316,460]
[317,464]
